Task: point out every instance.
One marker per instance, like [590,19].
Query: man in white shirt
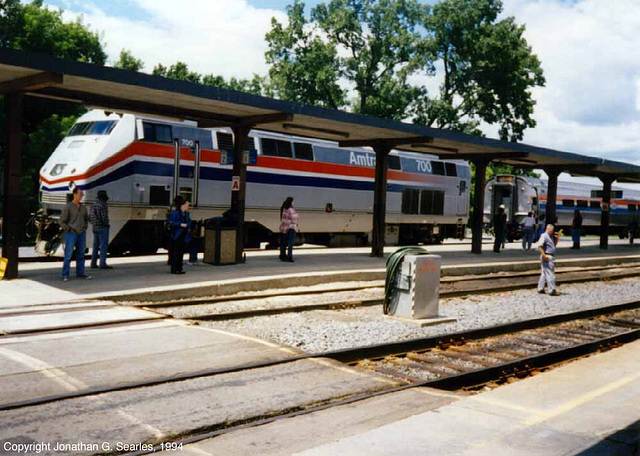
[547,248]
[528,225]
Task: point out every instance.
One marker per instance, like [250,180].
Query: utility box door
[418,287]
[426,286]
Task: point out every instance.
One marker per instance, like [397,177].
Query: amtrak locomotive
[143,162]
[520,194]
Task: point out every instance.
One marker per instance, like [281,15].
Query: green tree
[33,27]
[377,48]
[383,48]
[488,70]
[304,68]
[128,62]
[178,70]
[257,85]
[371,45]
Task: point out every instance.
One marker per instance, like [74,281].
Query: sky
[589,49]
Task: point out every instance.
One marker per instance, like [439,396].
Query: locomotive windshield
[100,127]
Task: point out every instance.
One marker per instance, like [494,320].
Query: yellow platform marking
[508,405]
[585,398]
[540,416]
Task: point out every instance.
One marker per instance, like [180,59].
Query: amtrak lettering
[362,159]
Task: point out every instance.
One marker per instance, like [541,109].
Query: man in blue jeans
[99,218]
[73,221]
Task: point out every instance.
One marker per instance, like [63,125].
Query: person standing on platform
[633,230]
[528,225]
[576,226]
[499,227]
[547,248]
[99,218]
[541,226]
[74,221]
[179,222]
[288,229]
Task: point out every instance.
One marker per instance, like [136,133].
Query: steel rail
[491,287]
[344,355]
[9,334]
[466,379]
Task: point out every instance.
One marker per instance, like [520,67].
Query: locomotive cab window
[303,151]
[410,201]
[276,148]
[100,127]
[568,203]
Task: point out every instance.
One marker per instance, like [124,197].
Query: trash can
[219,242]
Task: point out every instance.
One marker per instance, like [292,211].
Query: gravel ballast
[324,330]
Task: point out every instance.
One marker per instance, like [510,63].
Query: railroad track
[253,305]
[474,358]
[613,325]
[461,363]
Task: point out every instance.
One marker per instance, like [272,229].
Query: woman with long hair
[288,229]
[179,222]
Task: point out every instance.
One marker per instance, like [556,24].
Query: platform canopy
[113,89]
[39,75]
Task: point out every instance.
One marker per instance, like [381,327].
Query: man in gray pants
[547,248]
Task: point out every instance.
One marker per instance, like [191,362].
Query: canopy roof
[126,91]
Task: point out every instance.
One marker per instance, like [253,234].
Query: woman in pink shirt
[288,229]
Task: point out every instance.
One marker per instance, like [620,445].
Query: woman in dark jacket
[179,222]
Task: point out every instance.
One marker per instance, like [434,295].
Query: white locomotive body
[134,160]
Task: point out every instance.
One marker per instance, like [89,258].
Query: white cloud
[211,36]
[589,53]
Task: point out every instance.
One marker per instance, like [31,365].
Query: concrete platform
[71,318]
[149,415]
[148,278]
[589,407]
[46,365]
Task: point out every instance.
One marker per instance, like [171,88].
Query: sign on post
[235,184]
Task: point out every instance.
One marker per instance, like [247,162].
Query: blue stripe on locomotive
[225,175]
